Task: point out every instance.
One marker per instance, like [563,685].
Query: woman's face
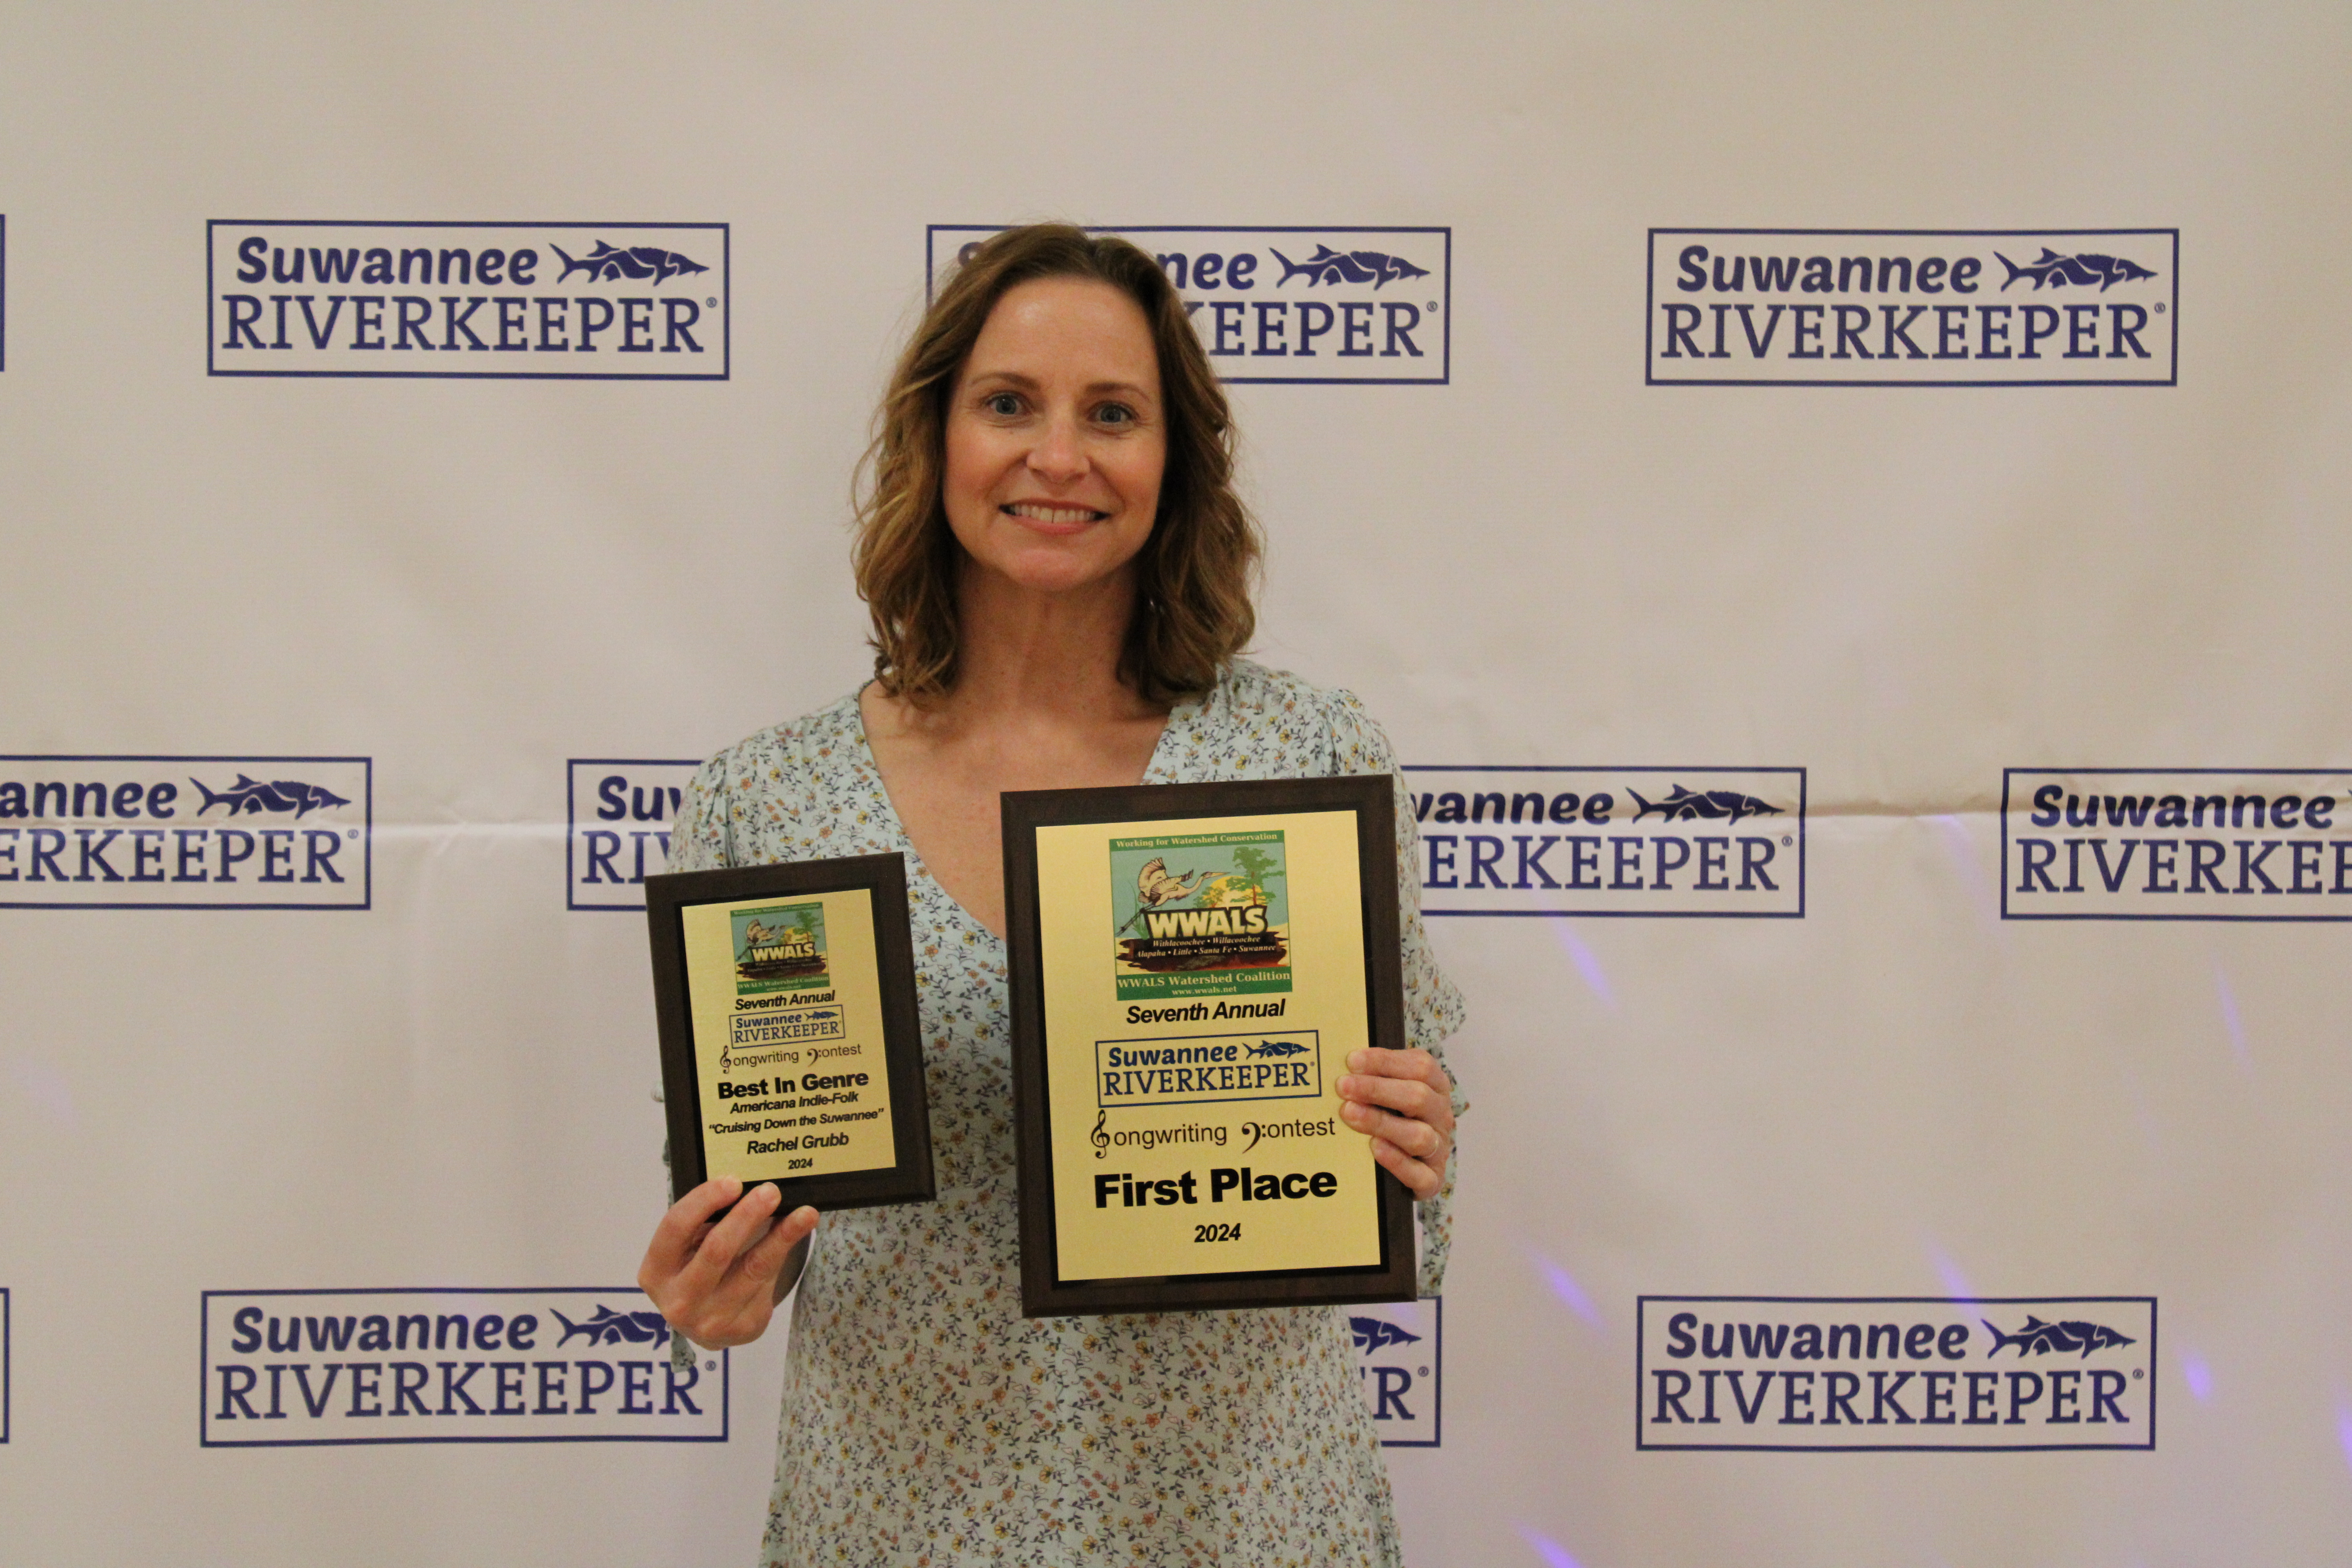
[1055,442]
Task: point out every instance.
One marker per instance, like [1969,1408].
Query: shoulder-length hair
[1195,572]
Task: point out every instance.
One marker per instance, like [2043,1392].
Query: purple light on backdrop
[2231,1021]
[1564,1285]
[2344,1429]
[1586,964]
[1553,1553]
[1963,853]
[1955,1284]
[2197,1375]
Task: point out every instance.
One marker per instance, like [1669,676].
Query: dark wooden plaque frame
[884,876]
[1044,1292]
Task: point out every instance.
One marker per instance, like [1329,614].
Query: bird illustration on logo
[1154,887]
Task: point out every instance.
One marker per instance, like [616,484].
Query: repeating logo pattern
[301,1368]
[1292,305]
[617,819]
[1789,307]
[627,302]
[2196,844]
[1842,1373]
[185,833]
[1609,841]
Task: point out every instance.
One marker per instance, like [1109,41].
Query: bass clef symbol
[1099,1137]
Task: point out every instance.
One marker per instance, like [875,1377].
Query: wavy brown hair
[1195,573]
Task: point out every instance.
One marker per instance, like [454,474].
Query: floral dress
[925,1420]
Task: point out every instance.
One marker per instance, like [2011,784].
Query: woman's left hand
[1405,1101]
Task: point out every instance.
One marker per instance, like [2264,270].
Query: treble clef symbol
[1101,1138]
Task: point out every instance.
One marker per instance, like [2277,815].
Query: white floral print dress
[925,1422]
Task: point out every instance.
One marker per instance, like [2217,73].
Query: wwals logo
[1292,305]
[185,833]
[617,817]
[1611,841]
[1829,1373]
[290,1368]
[1799,307]
[600,303]
[2193,844]
[1401,1365]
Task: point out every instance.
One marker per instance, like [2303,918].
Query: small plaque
[785,997]
[1192,965]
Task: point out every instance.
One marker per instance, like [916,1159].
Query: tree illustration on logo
[1255,867]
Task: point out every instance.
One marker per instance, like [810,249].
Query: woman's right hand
[717,1283]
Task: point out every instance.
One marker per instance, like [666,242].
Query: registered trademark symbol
[1786,840]
[1423,1371]
[2137,1372]
[712,304]
[711,1366]
[2159,307]
[348,833]
[1432,307]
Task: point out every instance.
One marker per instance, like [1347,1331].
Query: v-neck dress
[925,1422]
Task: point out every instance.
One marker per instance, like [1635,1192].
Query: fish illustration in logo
[2038,1338]
[1691,805]
[610,263]
[249,796]
[2084,268]
[1371,1333]
[1278,1049]
[1328,266]
[611,1328]
[828,1013]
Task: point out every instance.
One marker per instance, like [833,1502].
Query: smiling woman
[1059,576]
[945,398]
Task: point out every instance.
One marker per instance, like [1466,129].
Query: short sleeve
[1433,1008]
[699,840]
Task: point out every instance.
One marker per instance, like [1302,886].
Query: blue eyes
[1010,406]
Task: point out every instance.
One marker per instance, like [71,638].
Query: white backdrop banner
[1842,510]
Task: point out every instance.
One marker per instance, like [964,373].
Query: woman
[1058,573]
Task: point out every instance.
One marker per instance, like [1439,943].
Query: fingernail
[1358,1060]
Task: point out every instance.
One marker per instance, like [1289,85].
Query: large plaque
[785,998]
[1192,965]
